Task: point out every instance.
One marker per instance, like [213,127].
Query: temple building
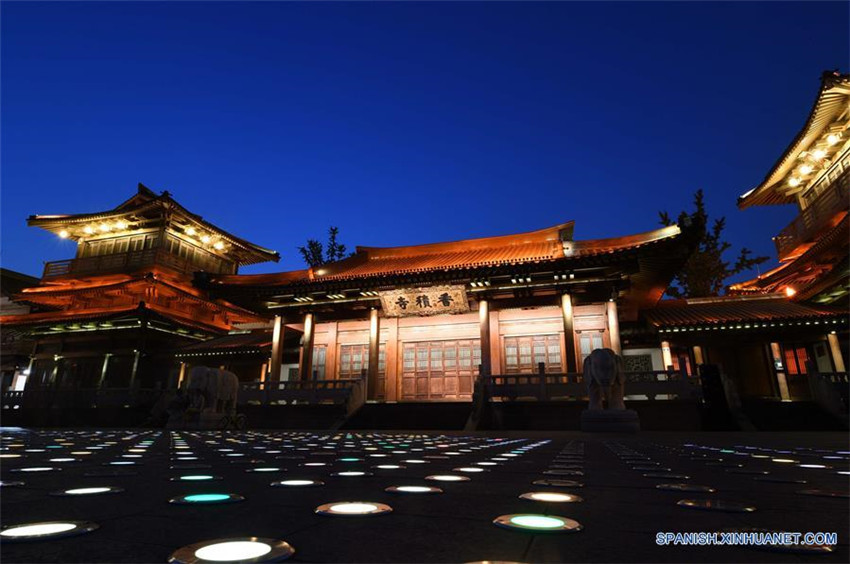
[111,316]
[421,321]
[771,333]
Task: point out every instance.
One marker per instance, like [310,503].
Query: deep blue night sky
[404,123]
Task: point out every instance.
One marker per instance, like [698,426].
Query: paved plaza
[145,495]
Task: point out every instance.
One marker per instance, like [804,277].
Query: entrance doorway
[439,370]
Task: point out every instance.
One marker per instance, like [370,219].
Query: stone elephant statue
[604,373]
[212,389]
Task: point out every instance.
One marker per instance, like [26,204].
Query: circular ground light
[558,483]
[10,484]
[266,469]
[298,483]
[447,478]
[552,497]
[716,505]
[351,474]
[242,549]
[353,508]
[195,478]
[206,499]
[36,469]
[389,467]
[45,530]
[97,490]
[685,488]
[538,523]
[413,490]
[563,473]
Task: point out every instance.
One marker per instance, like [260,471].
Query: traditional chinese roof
[153,311]
[831,103]
[709,312]
[822,265]
[550,245]
[144,206]
[236,341]
[77,299]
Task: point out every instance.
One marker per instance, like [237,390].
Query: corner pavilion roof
[734,309]
[103,296]
[832,101]
[146,201]
[542,246]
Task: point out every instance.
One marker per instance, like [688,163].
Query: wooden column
[103,370]
[305,362]
[374,352]
[484,327]
[698,357]
[778,365]
[135,370]
[182,375]
[835,350]
[666,355]
[569,334]
[277,348]
[613,326]
[392,359]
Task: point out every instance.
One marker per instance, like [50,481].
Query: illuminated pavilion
[110,316]
[791,322]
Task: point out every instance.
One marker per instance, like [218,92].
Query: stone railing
[344,391]
[655,385]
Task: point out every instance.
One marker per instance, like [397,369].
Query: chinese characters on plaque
[434,300]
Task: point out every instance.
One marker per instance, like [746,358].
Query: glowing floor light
[206,498]
[551,497]
[88,491]
[413,489]
[298,483]
[538,523]
[36,469]
[243,549]
[469,469]
[46,530]
[447,478]
[265,469]
[389,466]
[353,508]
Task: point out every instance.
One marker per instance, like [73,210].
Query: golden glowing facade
[111,316]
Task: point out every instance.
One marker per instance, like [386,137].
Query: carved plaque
[433,300]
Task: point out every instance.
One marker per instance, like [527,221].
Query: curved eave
[250,252]
[560,232]
[831,100]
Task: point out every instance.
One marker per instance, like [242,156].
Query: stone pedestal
[610,421]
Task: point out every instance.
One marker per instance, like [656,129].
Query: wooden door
[439,370]
[589,341]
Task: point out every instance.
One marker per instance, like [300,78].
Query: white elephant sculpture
[605,376]
[212,389]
